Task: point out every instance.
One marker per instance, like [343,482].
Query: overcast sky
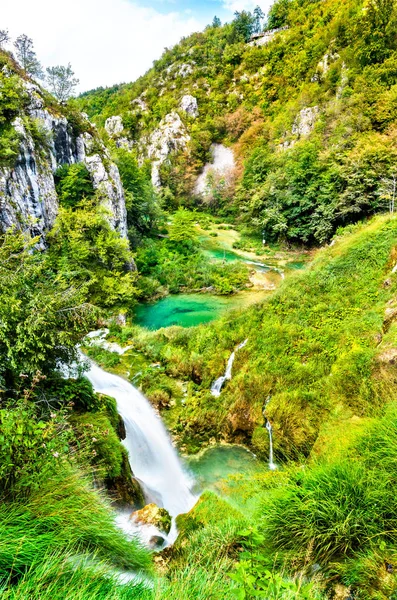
[110,41]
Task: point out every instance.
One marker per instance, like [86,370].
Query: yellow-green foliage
[84,246]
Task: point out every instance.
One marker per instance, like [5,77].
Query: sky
[111,41]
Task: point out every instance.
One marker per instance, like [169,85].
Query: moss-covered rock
[152,514]
[125,488]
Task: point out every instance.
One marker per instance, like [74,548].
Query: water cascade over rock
[268,425]
[272,465]
[216,387]
[152,457]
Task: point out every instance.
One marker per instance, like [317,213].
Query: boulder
[305,121]
[151,514]
[114,125]
[189,105]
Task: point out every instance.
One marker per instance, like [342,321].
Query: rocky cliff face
[28,198]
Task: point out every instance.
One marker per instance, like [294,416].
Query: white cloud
[107,42]
[240,5]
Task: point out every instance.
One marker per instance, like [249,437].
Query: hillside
[308,111]
[319,366]
[198,318]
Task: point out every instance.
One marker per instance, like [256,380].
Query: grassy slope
[321,347]
[312,347]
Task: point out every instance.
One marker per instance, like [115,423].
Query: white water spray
[216,387]
[152,457]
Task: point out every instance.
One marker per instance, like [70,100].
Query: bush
[73,184]
[84,247]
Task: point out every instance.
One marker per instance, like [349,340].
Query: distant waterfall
[272,465]
[218,384]
[153,460]
[268,425]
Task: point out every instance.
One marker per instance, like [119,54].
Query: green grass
[40,538]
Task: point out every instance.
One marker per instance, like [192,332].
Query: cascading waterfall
[152,457]
[216,387]
[268,425]
[272,465]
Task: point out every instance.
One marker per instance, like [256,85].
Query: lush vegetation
[310,115]
[320,356]
[177,264]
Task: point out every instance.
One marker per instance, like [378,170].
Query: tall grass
[39,537]
[343,512]
[55,576]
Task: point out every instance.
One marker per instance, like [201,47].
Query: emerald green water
[222,254]
[218,463]
[186,310]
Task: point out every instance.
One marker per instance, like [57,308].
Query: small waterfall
[216,387]
[152,457]
[268,425]
[272,465]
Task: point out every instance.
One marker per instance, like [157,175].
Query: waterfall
[218,384]
[272,466]
[268,425]
[152,457]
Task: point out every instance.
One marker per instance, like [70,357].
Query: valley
[198,314]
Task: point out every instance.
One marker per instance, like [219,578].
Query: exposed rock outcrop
[303,125]
[261,39]
[189,105]
[170,136]
[28,197]
[114,125]
[305,121]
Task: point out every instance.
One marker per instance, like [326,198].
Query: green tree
[243,25]
[216,22]
[182,232]
[27,56]
[278,14]
[376,31]
[61,82]
[259,15]
[143,211]
[84,247]
[73,183]
[43,315]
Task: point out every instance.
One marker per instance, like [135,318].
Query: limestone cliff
[28,197]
